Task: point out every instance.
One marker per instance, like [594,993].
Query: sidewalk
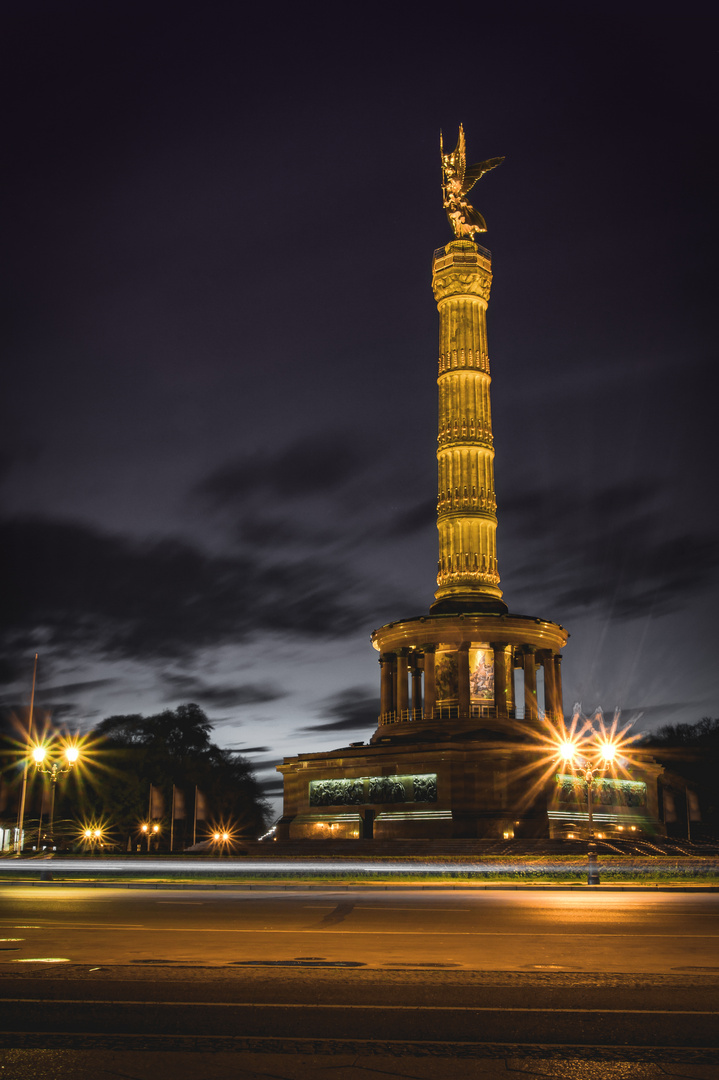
[596,1063]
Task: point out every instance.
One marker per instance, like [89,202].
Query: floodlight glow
[72,754]
[39,754]
[608,751]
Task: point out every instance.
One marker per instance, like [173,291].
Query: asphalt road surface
[148,983]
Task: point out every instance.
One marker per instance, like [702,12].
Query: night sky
[218,444]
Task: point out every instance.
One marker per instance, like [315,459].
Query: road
[484,974]
[486,931]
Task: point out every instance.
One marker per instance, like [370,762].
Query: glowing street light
[222,837]
[567,751]
[54,766]
[589,754]
[92,835]
[151,830]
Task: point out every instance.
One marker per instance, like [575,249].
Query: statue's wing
[474,172]
[459,155]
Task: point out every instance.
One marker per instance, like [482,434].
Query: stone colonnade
[408,690]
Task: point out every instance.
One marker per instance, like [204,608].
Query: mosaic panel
[374,789]
[605,792]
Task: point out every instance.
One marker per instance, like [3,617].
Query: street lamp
[93,835]
[222,837]
[151,831]
[54,766]
[589,759]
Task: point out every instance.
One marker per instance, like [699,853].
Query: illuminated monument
[448,758]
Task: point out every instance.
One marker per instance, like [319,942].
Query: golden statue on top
[457,182]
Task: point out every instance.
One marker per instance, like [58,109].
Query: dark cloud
[6,462]
[50,700]
[420,516]
[639,714]
[220,696]
[616,550]
[310,466]
[351,710]
[265,531]
[247,749]
[13,671]
[72,688]
[543,513]
[78,587]
[271,787]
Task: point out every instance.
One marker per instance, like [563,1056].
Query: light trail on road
[295,868]
[498,931]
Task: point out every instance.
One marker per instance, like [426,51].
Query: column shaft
[502,677]
[530,685]
[429,683]
[385,687]
[466,505]
[402,671]
[550,693]
[559,701]
[416,689]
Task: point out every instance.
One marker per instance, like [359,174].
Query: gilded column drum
[466,504]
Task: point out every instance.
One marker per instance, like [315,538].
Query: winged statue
[458,179]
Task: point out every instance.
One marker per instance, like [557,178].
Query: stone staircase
[405,849]
[469,849]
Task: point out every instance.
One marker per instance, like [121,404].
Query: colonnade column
[386,689]
[550,694]
[530,683]
[430,692]
[502,677]
[558,686]
[416,686]
[402,671]
[463,697]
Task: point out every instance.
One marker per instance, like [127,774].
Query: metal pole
[172,820]
[42,800]
[194,823]
[53,784]
[21,813]
[593,869]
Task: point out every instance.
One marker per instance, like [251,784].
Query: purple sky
[217,458]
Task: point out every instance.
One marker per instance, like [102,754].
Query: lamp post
[149,830]
[598,756]
[92,836]
[221,839]
[54,767]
